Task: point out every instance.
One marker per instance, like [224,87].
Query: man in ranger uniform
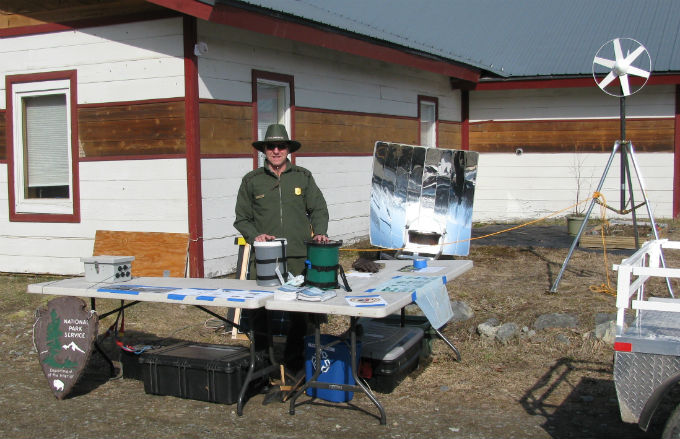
[281,200]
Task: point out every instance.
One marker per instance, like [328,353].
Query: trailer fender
[655,399]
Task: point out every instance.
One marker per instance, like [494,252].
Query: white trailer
[647,353]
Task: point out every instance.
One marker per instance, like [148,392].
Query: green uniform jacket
[290,207]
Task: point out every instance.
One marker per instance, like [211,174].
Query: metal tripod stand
[627,151]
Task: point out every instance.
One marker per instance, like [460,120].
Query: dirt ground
[556,384]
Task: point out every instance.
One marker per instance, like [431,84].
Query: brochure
[366,300]
[314,294]
[286,292]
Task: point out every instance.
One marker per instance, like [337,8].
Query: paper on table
[405,283]
[314,294]
[134,289]
[353,273]
[190,292]
[412,269]
[433,300]
[366,300]
[229,294]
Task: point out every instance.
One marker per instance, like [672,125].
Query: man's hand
[264,237]
[321,238]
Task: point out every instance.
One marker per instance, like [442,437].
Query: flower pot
[574,223]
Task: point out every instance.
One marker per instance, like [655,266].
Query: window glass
[428,125]
[272,107]
[46,150]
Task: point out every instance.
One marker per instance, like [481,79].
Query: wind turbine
[622,66]
[638,64]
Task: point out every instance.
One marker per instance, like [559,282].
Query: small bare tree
[583,183]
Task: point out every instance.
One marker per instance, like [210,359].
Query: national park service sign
[64,334]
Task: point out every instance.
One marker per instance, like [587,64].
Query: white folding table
[246,294]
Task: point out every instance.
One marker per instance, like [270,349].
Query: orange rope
[604,288]
[595,195]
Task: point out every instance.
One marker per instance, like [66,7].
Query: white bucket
[270,255]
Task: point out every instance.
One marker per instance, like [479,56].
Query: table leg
[252,373]
[112,367]
[367,391]
[446,340]
[317,372]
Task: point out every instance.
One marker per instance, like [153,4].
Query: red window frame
[278,77]
[10,81]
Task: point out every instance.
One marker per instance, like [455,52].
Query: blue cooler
[335,367]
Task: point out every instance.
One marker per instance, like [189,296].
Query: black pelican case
[388,353]
[204,372]
[418,321]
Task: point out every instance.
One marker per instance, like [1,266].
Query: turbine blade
[633,56]
[625,88]
[608,63]
[617,50]
[607,80]
[637,72]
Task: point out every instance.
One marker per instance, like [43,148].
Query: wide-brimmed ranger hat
[276,134]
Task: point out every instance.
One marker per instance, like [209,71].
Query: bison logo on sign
[64,334]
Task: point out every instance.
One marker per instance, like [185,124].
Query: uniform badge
[257,197]
[298,191]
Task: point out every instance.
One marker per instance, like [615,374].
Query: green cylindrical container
[323,264]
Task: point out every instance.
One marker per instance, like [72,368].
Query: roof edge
[270,22]
[566,81]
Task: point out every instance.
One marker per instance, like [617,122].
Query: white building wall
[569,103]
[220,182]
[130,195]
[515,188]
[323,78]
[125,62]
[118,63]
[346,187]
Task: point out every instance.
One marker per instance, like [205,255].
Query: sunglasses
[273,146]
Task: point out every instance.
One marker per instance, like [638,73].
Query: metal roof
[509,38]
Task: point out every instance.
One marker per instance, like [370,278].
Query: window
[42,169]
[274,101]
[427,115]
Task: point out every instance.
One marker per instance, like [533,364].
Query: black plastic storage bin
[418,321]
[388,354]
[204,372]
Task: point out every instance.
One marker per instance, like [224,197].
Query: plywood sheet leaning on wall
[156,254]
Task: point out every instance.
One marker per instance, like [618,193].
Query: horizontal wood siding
[19,13]
[132,129]
[648,135]
[449,135]
[226,128]
[331,132]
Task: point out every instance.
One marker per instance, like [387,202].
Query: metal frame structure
[627,151]
[620,68]
[647,353]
